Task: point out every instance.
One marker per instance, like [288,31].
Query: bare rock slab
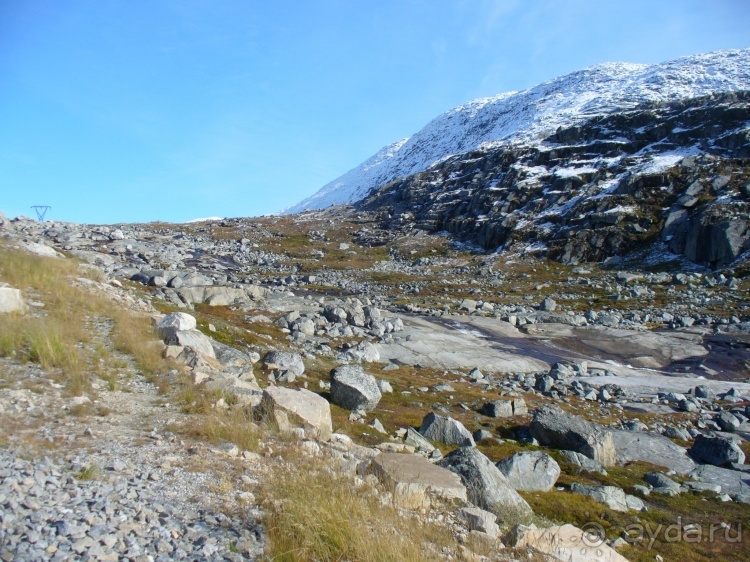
[651,448]
[556,428]
[415,482]
[565,542]
[288,408]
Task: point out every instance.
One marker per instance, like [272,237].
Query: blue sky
[142,110]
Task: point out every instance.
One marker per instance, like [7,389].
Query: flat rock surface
[414,480]
[655,449]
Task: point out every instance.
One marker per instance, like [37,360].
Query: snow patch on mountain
[530,115]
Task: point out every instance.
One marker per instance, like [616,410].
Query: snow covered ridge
[527,116]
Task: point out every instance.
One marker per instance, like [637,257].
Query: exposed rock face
[11,300]
[565,542]
[719,450]
[445,430]
[555,428]
[288,408]
[557,199]
[415,482]
[534,471]
[353,389]
[655,449]
[486,486]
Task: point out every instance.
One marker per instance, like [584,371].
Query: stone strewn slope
[671,175]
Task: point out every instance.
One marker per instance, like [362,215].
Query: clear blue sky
[141,110]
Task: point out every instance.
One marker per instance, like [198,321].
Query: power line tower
[41,211]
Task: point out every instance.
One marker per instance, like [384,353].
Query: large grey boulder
[532,471]
[287,408]
[554,427]
[353,389]
[445,430]
[194,339]
[415,482]
[485,484]
[717,449]
[611,496]
[175,322]
[655,449]
[11,300]
[284,363]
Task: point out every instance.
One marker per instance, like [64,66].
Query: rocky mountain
[530,115]
[595,164]
[667,179]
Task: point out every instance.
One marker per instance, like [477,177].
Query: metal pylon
[41,211]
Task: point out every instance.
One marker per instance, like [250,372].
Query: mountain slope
[527,116]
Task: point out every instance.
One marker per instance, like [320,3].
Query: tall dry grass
[316,513]
[61,334]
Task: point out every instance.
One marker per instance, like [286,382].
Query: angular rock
[175,322]
[477,519]
[659,480]
[611,496]
[288,408]
[727,421]
[194,339]
[566,542]
[415,482]
[553,427]
[504,408]
[533,471]
[284,362]
[11,300]
[415,439]
[716,449]
[365,352]
[353,389]
[732,482]
[485,484]
[445,429]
